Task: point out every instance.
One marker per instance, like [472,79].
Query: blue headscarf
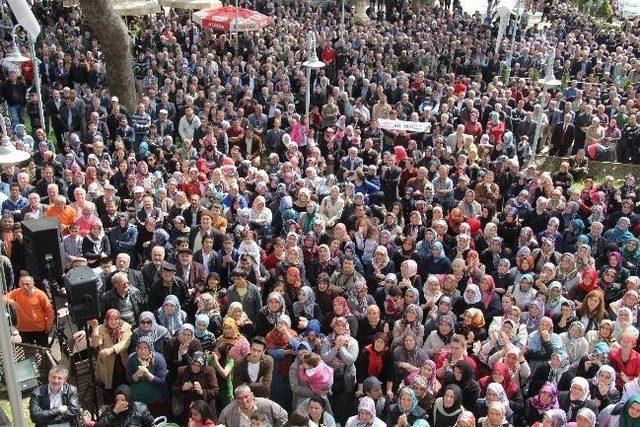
[201,318]
[174,321]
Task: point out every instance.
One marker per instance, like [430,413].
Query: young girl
[317,374]
[201,415]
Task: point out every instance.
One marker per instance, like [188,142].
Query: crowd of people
[261,267]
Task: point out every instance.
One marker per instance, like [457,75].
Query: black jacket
[138,415]
[111,300]
[42,416]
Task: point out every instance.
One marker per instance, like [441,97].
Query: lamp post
[312,62]
[17,58]
[549,81]
[518,12]
[10,155]
[342,20]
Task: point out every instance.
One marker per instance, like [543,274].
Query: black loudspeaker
[82,293]
[42,247]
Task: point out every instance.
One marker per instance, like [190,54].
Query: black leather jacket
[42,416]
[137,416]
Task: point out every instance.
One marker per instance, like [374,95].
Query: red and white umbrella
[228,19]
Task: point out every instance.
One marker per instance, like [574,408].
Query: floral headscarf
[477,296]
[546,388]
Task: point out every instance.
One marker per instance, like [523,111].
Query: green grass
[6,407]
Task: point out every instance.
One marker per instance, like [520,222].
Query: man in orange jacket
[34,310]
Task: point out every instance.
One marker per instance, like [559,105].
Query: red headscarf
[510,388]
[342,302]
[488,295]
[591,273]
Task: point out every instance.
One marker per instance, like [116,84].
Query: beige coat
[101,340]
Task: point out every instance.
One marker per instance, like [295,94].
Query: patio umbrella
[228,19]
[136,7]
[191,4]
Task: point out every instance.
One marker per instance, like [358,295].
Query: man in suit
[163,124]
[34,209]
[72,118]
[191,272]
[562,137]
[123,263]
[152,270]
[53,110]
[55,402]
[350,162]
[255,370]
[206,256]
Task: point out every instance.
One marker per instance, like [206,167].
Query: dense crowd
[261,267]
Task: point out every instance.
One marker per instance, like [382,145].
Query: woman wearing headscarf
[359,302]
[147,327]
[170,315]
[379,267]
[553,418]
[179,350]
[202,333]
[471,298]
[588,284]
[496,416]
[629,300]
[473,327]
[231,335]
[268,316]
[494,393]
[501,374]
[194,381]
[280,344]
[209,304]
[440,337]
[448,407]
[406,411]
[375,359]
[574,342]
[616,262]
[542,343]
[532,317]
[603,388]
[371,325]
[411,323]
[409,276]
[245,325]
[620,233]
[340,351]
[604,334]
[111,339]
[544,401]
[491,304]
[340,308]
[125,411]
[431,293]
[624,323]
[554,301]
[146,373]
[631,254]
[502,276]
[95,245]
[437,261]
[366,416]
[576,398]
[626,414]
[567,273]
[306,305]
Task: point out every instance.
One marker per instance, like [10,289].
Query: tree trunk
[111,31]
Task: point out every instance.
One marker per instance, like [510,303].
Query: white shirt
[55,399]
[205,262]
[253,369]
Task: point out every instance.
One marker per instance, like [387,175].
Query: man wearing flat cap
[167,284]
[191,272]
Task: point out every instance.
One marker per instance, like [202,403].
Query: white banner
[388,124]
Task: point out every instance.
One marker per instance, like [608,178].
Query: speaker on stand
[81,284]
